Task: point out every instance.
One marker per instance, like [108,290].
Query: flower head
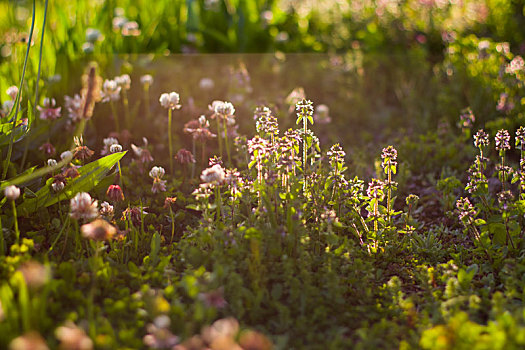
[146,80]
[213,175]
[115,148]
[159,185]
[98,230]
[322,114]
[376,189]
[115,193]
[108,142]
[134,214]
[336,155]
[93,35]
[73,338]
[48,111]
[502,140]
[170,101]
[481,139]
[83,207]
[466,211]
[123,81]
[142,153]
[130,28]
[159,336]
[74,106]
[466,119]
[206,84]
[35,274]
[106,210]
[157,172]
[199,129]
[12,193]
[185,157]
[222,109]
[12,91]
[515,66]
[110,91]
[81,152]
[28,341]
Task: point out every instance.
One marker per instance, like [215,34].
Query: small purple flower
[49,111]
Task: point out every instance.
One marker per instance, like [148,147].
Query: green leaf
[155,248]
[90,175]
[499,234]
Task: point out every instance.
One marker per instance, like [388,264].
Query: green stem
[172,225]
[119,174]
[170,142]
[218,202]
[305,154]
[2,248]
[17,100]
[115,116]
[126,109]
[219,134]
[15,217]
[226,141]
[146,97]
[194,155]
[40,57]
[65,227]
[389,194]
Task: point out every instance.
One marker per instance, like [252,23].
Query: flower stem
[305,127]
[115,116]
[170,142]
[7,160]
[195,155]
[219,134]
[126,109]
[226,141]
[15,217]
[2,251]
[146,97]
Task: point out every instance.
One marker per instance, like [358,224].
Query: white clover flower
[119,22]
[83,207]
[170,101]
[106,209]
[203,121]
[51,162]
[7,106]
[66,155]
[93,35]
[157,172]
[12,192]
[213,175]
[58,186]
[74,106]
[124,81]
[88,47]
[225,108]
[110,91]
[108,141]
[322,114]
[98,230]
[130,28]
[12,91]
[115,148]
[146,79]
[206,84]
